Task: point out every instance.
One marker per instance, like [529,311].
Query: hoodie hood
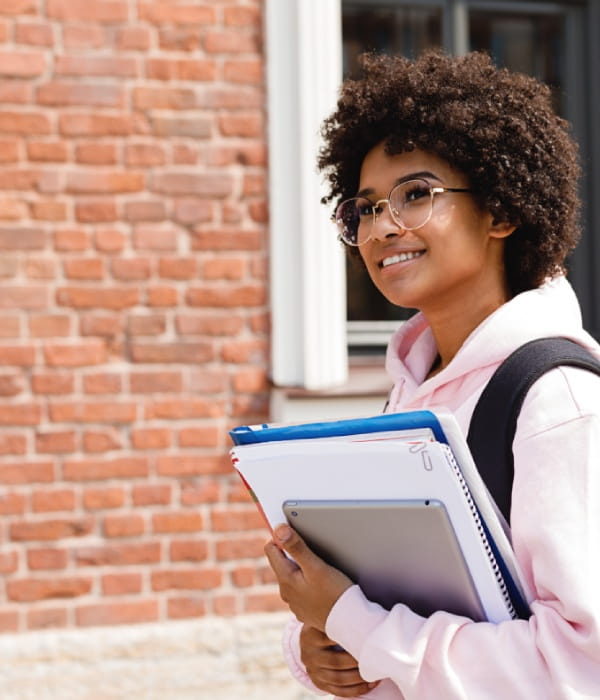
[550,310]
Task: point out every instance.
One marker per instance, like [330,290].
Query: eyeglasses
[410,203]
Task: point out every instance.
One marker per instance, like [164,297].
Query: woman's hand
[308,585]
[329,667]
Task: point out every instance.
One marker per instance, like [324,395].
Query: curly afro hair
[496,127]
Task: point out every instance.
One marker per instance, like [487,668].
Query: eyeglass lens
[410,206]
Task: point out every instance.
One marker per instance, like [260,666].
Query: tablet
[397,551]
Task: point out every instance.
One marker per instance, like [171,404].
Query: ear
[500,229]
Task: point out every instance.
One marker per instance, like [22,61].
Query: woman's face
[453,261]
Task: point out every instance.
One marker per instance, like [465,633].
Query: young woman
[456,184]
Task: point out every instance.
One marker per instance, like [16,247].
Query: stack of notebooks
[396,502]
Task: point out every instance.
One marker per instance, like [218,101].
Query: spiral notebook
[418,455]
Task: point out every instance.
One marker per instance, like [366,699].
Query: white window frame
[307,273]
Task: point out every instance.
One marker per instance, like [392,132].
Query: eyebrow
[405,178]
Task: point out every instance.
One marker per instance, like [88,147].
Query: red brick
[109,241]
[133,38]
[263,602]
[181,608]
[102,11]
[144,154]
[121,584]
[131,269]
[214,325]
[86,352]
[117,613]
[227,240]
[156,382]
[52,383]
[162,296]
[24,123]
[151,438]
[18,355]
[185,408]
[103,497]
[192,466]
[241,547]
[18,7]
[123,525]
[30,590]
[9,150]
[182,127]
[152,324]
[16,91]
[83,36]
[22,238]
[20,414]
[11,384]
[93,211]
[149,237]
[65,441]
[192,579]
[163,12]
[9,621]
[244,295]
[104,182]
[12,444]
[8,562]
[101,441]
[199,184]
[50,529]
[49,325]
[151,494]
[65,94]
[244,72]
[32,298]
[96,153]
[102,383]
[110,66]
[243,576]
[49,210]
[193,211]
[46,558]
[13,209]
[171,352]
[124,554]
[185,154]
[188,550]
[145,210]
[69,241]
[186,521]
[12,504]
[246,16]
[117,468]
[236,519]
[95,124]
[199,436]
[201,492]
[96,412]
[233,269]
[251,380]
[198,70]
[115,299]
[226,605]
[22,64]
[179,38]
[178,268]
[45,619]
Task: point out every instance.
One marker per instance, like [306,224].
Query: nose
[384,225]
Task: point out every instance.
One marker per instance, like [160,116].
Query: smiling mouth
[401,257]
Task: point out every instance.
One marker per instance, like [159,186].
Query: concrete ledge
[211,658]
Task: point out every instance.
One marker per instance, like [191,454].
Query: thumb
[289,540]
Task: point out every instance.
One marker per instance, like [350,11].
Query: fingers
[294,545]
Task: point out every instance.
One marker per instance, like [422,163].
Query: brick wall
[133,309]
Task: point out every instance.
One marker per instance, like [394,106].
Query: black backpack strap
[494,419]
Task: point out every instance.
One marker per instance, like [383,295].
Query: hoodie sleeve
[556,536]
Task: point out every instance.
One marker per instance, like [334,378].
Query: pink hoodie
[555,521]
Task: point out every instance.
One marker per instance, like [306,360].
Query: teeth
[402,257]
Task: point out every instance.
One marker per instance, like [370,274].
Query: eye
[364,208]
[413,192]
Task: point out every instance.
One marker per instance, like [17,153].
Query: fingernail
[283,533]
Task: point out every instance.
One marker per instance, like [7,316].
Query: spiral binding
[475,513]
